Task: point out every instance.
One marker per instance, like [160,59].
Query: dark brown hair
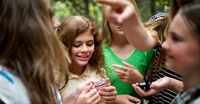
[191,16]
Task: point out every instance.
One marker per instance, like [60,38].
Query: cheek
[187,58]
[73,52]
[91,49]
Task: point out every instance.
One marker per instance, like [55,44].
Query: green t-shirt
[140,60]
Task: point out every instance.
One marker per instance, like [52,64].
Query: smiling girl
[79,35]
[182,47]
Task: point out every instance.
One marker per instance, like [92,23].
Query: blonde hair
[106,31]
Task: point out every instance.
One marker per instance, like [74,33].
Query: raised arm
[122,12]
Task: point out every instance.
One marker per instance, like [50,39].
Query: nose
[55,22]
[165,45]
[84,49]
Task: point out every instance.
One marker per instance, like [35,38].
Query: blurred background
[64,8]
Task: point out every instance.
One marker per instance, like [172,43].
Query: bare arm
[123,13]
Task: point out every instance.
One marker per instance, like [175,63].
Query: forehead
[179,25]
[87,35]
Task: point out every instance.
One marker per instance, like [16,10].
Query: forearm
[176,85]
[137,35]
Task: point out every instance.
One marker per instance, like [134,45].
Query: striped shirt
[159,70]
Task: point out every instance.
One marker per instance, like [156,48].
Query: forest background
[64,8]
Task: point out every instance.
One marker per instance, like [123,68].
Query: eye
[90,43]
[175,37]
[76,45]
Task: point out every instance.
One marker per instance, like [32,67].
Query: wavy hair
[30,48]
[71,27]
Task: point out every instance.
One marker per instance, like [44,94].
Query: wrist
[175,84]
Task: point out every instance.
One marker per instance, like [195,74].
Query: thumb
[87,88]
[153,85]
[134,99]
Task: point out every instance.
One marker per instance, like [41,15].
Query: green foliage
[148,8]
[64,8]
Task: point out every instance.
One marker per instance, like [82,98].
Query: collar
[84,75]
[187,95]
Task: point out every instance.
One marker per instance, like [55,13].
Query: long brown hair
[30,48]
[71,27]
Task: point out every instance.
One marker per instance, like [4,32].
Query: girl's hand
[108,94]
[156,87]
[88,96]
[118,10]
[127,99]
[128,73]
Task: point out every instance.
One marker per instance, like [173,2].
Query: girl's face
[182,47]
[82,48]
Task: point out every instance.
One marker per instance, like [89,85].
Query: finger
[107,82]
[134,99]
[95,98]
[124,68]
[128,11]
[108,97]
[87,89]
[141,92]
[120,73]
[117,70]
[112,3]
[111,15]
[92,92]
[153,85]
[124,80]
[122,76]
[108,102]
[127,65]
[108,89]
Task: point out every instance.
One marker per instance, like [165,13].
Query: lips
[168,57]
[119,28]
[84,58]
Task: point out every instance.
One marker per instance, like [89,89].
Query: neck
[76,69]
[119,40]
[121,47]
[191,80]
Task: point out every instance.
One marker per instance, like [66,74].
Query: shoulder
[196,101]
[12,85]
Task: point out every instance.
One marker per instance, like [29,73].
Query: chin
[83,63]
[170,65]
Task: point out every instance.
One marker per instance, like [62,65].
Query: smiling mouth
[83,58]
[169,57]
